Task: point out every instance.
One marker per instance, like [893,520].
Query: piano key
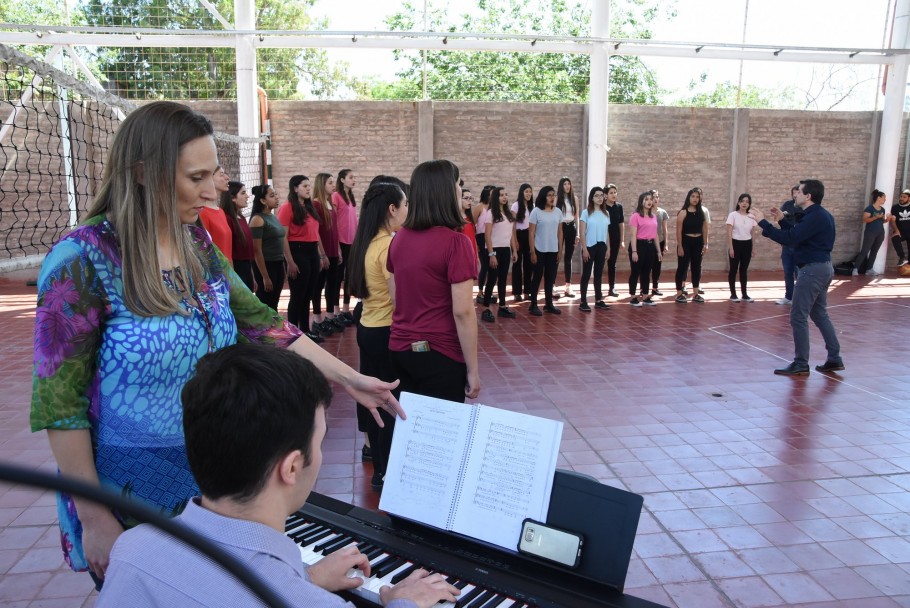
[373,553]
[381,562]
[482,600]
[314,538]
[307,532]
[389,578]
[382,570]
[340,545]
[403,574]
[330,542]
[303,530]
[467,596]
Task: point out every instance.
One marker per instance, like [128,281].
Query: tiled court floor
[759,490]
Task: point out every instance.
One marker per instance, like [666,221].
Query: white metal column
[598,98]
[247,112]
[892,120]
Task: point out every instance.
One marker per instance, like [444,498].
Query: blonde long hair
[146,148]
[324,198]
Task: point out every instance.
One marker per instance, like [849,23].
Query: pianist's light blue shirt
[150,568]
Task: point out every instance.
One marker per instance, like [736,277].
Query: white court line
[716,329]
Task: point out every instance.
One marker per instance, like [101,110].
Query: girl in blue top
[593,227]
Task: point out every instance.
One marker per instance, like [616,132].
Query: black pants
[374,361]
[597,256]
[898,241]
[742,256]
[431,374]
[498,275]
[655,272]
[306,256]
[647,256]
[327,281]
[546,268]
[611,261]
[345,265]
[277,272]
[569,232]
[634,269]
[692,247]
[872,241]
[244,270]
[484,260]
[522,270]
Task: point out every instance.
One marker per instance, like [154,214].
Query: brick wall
[725,152]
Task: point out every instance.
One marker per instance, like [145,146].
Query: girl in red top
[298,216]
[330,276]
[214,219]
[346,206]
[233,201]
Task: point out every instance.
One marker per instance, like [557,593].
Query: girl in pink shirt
[346,207]
[644,247]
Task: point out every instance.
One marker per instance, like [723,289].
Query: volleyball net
[55,136]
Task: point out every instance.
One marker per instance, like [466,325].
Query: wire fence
[54,138]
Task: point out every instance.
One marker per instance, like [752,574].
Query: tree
[200,73]
[522,76]
[724,95]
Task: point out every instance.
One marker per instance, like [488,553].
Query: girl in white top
[522,268]
[567,202]
[740,227]
[501,249]
[480,239]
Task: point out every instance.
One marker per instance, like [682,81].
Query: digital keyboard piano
[488,576]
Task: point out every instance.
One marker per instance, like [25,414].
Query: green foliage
[490,76]
[208,73]
[724,95]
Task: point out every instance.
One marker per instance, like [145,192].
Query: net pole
[66,148]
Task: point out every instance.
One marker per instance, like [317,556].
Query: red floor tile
[758,490]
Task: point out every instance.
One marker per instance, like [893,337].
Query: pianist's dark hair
[248,406]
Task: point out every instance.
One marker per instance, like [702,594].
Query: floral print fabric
[99,366]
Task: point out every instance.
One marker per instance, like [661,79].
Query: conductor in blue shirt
[812,240]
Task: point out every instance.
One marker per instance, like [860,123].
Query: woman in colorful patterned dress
[127,303]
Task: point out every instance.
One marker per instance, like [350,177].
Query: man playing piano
[254,420]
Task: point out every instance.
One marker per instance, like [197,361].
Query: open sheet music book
[471,469]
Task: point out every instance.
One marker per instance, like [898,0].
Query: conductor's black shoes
[830,366]
[794,369]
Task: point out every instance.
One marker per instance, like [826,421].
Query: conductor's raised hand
[374,394]
[331,572]
[422,588]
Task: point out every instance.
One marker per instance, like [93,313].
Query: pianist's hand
[331,571]
[422,588]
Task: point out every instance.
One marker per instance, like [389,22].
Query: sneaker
[315,337]
[516,298]
[793,369]
[556,296]
[685,292]
[327,327]
[343,319]
[783,302]
[366,454]
[348,316]
[855,272]
[552,309]
[635,302]
[903,263]
[613,294]
[601,304]
[569,294]
[535,311]
[873,273]
[747,299]
[479,299]
[734,299]
[505,312]
[339,324]
[681,300]
[649,302]
[488,316]
[583,307]
[830,366]
[698,299]
[656,292]
[318,328]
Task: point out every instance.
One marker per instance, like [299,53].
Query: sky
[810,23]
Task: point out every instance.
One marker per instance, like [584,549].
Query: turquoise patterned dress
[101,367]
